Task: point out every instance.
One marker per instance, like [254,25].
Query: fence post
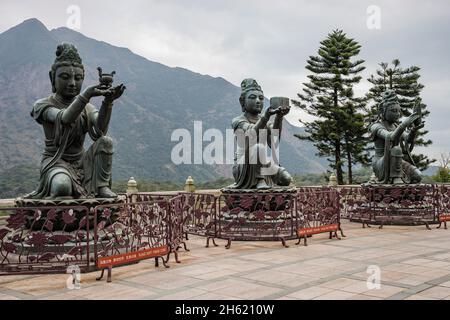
[333,181]
[189,186]
[132,189]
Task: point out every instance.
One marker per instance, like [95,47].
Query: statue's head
[67,72]
[389,108]
[252,97]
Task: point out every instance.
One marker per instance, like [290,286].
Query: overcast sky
[267,40]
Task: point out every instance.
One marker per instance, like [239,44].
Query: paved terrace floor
[414,262]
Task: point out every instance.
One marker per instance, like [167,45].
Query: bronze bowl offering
[105,79]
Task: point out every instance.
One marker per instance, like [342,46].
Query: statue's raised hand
[270,111]
[418,112]
[283,111]
[94,91]
[114,93]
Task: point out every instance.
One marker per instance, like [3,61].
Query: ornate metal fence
[397,204]
[256,216]
[352,201]
[318,210]
[199,215]
[45,240]
[131,227]
[444,205]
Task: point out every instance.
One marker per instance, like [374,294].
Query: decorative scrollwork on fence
[44,239]
[256,216]
[130,227]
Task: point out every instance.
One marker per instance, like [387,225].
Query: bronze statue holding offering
[394,143]
[254,174]
[67,169]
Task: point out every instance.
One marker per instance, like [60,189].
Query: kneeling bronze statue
[392,163]
[67,170]
[251,169]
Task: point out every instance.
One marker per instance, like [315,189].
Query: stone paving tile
[221,284]
[437,292]
[336,295]
[340,283]
[393,276]
[309,293]
[419,297]
[385,291]
[196,270]
[235,264]
[216,274]
[445,284]
[412,280]
[271,257]
[249,291]
[112,290]
[183,295]
[4,280]
[298,281]
[286,298]
[441,256]
[330,262]
[7,297]
[357,287]
[363,297]
[212,296]
[271,276]
[439,264]
[38,285]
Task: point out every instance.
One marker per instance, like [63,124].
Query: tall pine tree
[338,127]
[405,82]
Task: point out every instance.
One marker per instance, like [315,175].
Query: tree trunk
[349,162]
[350,172]
[337,154]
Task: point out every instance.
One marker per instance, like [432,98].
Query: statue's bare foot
[397,181]
[262,185]
[105,192]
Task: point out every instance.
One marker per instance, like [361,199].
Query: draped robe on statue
[64,151]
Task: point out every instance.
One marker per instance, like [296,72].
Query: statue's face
[254,102]
[68,81]
[393,113]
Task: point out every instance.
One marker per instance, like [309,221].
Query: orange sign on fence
[315,230]
[105,262]
[444,217]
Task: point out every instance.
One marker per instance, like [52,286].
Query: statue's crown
[249,84]
[67,52]
[388,97]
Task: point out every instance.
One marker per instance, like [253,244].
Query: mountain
[158,100]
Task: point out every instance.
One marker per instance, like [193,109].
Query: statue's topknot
[67,52]
[388,98]
[249,84]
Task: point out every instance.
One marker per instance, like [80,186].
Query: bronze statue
[251,174]
[392,163]
[67,170]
